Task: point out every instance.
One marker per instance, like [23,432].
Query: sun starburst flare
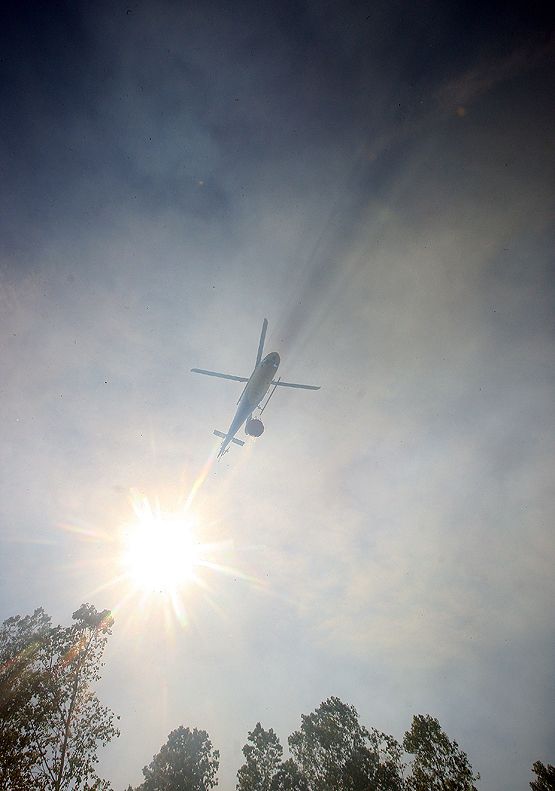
[160,552]
[162,559]
[156,563]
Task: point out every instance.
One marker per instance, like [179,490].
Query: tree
[186,762]
[545,780]
[51,721]
[263,756]
[333,750]
[388,766]
[288,777]
[20,643]
[439,764]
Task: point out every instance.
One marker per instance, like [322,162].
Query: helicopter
[256,388]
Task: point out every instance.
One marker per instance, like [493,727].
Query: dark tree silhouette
[186,762]
[51,722]
[262,757]
[333,750]
[289,777]
[439,764]
[545,777]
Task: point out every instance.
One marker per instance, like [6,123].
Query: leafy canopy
[333,750]
[289,777]
[263,755]
[439,764]
[186,762]
[51,721]
[545,777]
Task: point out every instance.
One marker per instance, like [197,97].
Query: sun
[160,552]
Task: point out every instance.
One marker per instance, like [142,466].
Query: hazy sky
[378,180]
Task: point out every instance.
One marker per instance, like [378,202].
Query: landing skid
[269,397]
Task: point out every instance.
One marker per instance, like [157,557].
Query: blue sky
[378,182]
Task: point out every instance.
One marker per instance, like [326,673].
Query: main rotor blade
[279,383]
[220,376]
[261,341]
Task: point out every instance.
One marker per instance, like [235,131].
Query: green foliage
[263,756]
[289,777]
[545,777]
[51,722]
[333,750]
[21,640]
[439,764]
[388,766]
[186,762]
